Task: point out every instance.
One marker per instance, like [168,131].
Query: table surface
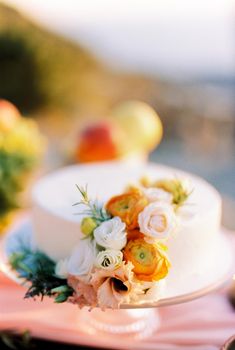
[192,322]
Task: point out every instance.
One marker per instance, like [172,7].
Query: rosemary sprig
[93,208]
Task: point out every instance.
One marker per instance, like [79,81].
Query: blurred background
[66,62]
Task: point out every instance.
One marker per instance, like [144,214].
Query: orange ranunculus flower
[127,206]
[149,260]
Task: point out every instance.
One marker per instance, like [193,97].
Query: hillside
[59,83]
[47,75]
[39,69]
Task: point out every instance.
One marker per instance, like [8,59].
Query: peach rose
[157,220]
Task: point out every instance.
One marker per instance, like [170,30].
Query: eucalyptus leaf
[61,298]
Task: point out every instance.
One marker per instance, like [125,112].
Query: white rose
[61,269]
[158,195]
[109,259]
[82,259]
[111,234]
[157,220]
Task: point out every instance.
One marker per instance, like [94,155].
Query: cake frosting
[191,250]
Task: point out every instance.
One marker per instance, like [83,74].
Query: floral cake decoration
[122,255]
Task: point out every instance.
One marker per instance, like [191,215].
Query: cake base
[196,287]
[135,321]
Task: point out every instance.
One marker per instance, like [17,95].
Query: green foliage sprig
[38,269]
[177,189]
[93,209]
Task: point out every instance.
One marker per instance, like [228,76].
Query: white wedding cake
[192,249]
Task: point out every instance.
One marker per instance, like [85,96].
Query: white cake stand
[135,321]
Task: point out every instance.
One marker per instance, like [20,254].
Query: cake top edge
[56,192]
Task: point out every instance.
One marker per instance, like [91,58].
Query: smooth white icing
[191,250]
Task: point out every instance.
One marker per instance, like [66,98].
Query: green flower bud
[167,185]
[177,188]
[88,225]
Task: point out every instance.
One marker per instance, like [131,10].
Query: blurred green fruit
[141,124]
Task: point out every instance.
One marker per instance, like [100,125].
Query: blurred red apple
[9,115]
[99,142]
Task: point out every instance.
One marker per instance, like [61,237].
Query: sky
[167,37]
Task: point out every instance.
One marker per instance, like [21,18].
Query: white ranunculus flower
[111,234]
[109,259]
[82,259]
[158,195]
[61,268]
[157,220]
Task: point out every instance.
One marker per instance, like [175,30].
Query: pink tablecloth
[203,324]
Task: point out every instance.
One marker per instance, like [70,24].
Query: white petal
[61,269]
[111,234]
[82,258]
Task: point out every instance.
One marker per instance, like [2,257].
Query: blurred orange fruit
[99,142]
[9,115]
